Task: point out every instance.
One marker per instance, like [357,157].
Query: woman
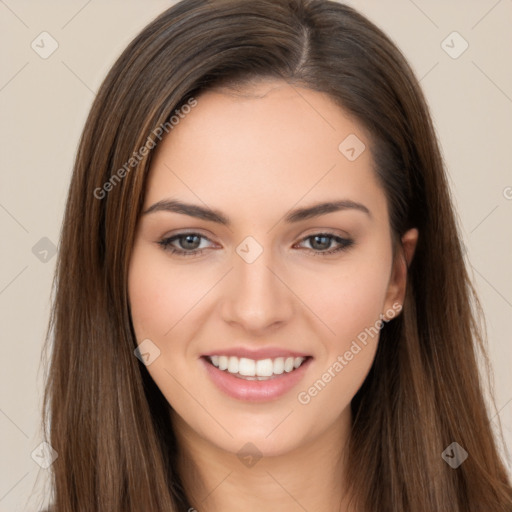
[261,300]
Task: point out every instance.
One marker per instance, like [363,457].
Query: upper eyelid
[315,231]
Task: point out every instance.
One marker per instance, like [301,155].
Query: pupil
[322,245]
[188,239]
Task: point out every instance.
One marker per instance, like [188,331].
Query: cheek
[350,306]
[154,302]
[348,298]
[160,294]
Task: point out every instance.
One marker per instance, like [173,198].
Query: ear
[398,280]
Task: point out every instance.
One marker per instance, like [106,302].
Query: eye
[184,244]
[321,243]
[190,244]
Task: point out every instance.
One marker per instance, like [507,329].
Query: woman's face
[263,279]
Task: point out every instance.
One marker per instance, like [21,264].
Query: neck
[311,477]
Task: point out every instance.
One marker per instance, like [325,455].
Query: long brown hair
[104,415]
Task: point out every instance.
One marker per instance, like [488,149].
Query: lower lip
[255,390]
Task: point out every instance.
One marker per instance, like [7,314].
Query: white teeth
[233,364]
[247,367]
[279,365]
[223,362]
[264,367]
[258,369]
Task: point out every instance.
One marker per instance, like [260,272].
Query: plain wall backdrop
[54,56]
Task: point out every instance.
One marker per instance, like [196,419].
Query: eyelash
[345,243]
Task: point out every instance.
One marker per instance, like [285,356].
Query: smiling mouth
[251,369]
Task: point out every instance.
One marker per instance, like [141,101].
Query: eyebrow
[297,215]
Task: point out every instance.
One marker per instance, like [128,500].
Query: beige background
[43,105]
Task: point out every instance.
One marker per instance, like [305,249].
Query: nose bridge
[257,298]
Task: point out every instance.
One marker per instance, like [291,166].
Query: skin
[254,155]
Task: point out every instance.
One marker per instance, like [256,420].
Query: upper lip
[256,354]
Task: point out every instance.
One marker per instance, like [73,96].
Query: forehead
[269,144]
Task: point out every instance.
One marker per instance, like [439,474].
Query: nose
[256,297]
